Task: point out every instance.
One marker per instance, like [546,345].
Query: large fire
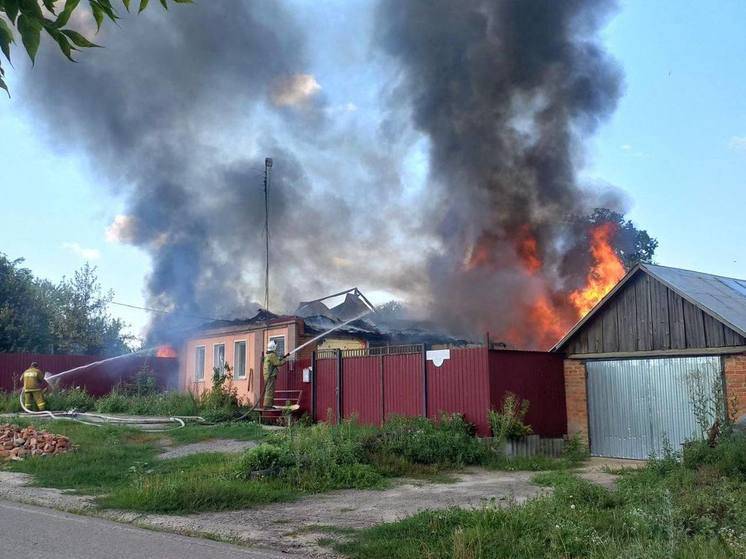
[550,314]
[606,271]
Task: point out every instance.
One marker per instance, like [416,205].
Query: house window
[218,357]
[280,341]
[239,359]
[199,363]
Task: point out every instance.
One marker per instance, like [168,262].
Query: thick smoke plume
[177,112]
[506,92]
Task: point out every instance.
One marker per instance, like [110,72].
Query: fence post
[313,386]
[424,383]
[383,391]
[340,377]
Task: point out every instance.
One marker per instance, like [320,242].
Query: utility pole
[267,171]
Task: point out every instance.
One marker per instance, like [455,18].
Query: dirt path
[296,527]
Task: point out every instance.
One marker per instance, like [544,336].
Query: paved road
[39,533]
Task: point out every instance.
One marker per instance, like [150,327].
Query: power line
[161,311]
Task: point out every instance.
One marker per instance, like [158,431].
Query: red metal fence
[470,382]
[97,379]
[534,376]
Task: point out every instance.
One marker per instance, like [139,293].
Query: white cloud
[121,230]
[86,253]
[295,90]
[626,147]
[738,143]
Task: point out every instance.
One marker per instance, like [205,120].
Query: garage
[638,407]
[659,351]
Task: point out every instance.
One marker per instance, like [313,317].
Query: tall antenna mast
[267,170]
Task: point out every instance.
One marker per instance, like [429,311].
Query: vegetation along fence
[408,380]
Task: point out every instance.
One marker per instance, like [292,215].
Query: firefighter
[32,379]
[271,363]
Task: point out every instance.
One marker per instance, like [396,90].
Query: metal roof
[722,298]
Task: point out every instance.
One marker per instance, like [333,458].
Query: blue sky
[676,146]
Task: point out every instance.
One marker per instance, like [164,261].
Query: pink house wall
[256,340]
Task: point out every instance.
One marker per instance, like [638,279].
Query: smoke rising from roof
[506,92]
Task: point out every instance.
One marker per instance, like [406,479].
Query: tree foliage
[633,245]
[71,316]
[29,18]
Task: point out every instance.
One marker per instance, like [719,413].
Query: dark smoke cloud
[165,114]
[179,110]
[506,91]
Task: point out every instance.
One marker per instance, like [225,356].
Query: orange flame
[165,351]
[527,249]
[606,271]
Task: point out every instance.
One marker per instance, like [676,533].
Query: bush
[164,403]
[575,450]
[70,399]
[264,457]
[728,457]
[9,402]
[221,402]
[449,442]
[507,422]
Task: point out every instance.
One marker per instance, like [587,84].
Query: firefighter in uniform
[271,363]
[33,379]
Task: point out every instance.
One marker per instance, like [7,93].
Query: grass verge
[120,466]
[685,509]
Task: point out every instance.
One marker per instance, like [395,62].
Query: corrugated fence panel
[403,389]
[638,406]
[326,391]
[461,385]
[12,365]
[96,380]
[362,387]
[534,376]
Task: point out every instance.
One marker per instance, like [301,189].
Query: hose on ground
[80,417]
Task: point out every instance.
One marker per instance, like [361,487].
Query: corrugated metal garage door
[636,405]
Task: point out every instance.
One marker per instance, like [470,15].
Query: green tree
[28,18]
[25,309]
[633,245]
[69,317]
[82,323]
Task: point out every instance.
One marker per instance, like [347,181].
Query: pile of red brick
[17,443]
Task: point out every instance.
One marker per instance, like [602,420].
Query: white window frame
[245,357]
[196,362]
[214,346]
[284,346]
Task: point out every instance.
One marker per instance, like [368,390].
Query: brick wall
[735,383]
[576,398]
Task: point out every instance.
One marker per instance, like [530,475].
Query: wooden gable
[646,315]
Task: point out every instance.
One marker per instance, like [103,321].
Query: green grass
[201,482]
[120,466]
[669,509]
[106,457]
[243,431]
